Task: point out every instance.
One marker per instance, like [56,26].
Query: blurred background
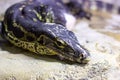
[105,16]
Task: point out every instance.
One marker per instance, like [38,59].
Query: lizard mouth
[82,59]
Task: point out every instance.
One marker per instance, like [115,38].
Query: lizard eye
[60,43]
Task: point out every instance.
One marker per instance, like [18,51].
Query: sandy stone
[18,64]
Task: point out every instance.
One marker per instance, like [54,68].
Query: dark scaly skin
[39,26]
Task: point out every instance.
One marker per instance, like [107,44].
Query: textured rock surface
[18,64]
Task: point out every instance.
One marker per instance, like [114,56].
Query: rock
[18,64]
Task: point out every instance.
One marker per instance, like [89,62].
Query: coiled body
[39,26]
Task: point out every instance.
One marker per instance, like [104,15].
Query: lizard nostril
[83,59]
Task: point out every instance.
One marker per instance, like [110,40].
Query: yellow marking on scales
[31,46]
[40,38]
[49,17]
[20,27]
[34,19]
[6,27]
[47,20]
[23,30]
[23,44]
[44,50]
[38,15]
